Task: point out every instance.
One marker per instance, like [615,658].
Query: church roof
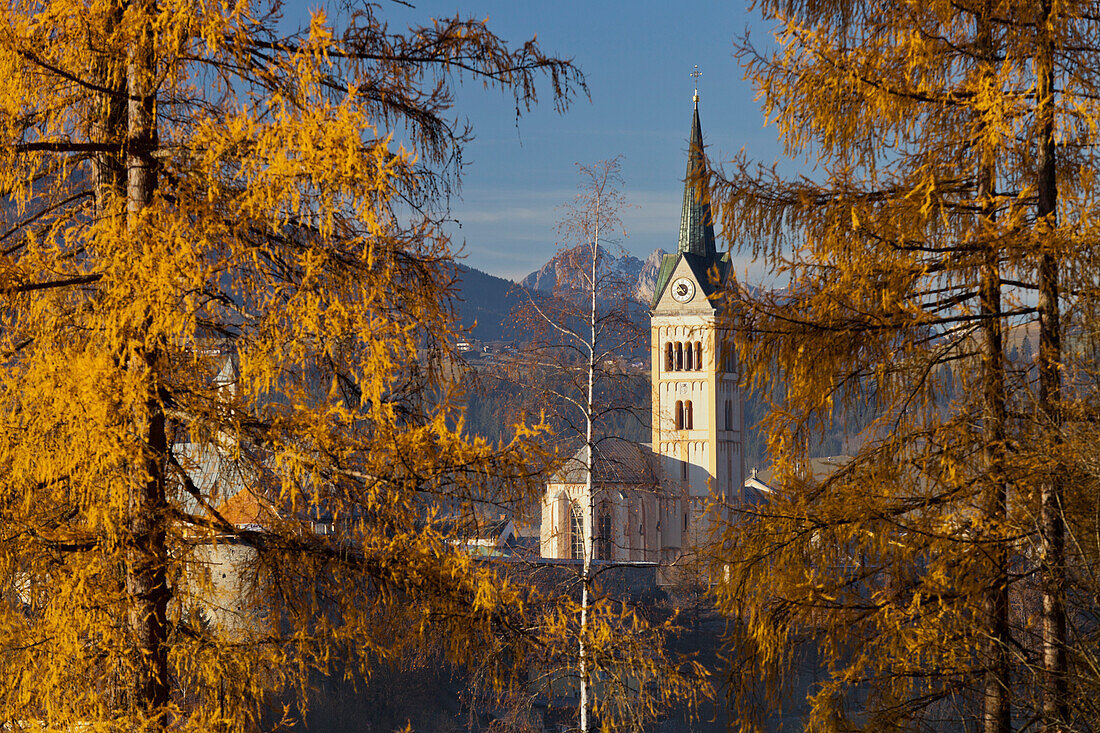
[700,267]
[617,461]
[816,470]
[696,225]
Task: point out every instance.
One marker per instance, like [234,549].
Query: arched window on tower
[576,532]
[668,357]
[689,358]
[689,420]
[698,354]
[679,355]
[603,532]
[679,415]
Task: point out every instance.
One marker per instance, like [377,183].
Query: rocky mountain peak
[638,276]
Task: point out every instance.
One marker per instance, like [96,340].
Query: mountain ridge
[639,276]
[484,303]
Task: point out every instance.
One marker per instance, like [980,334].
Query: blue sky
[637,57]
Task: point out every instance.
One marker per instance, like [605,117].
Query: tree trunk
[997,711]
[997,715]
[590,469]
[997,705]
[1051,525]
[109,125]
[146,561]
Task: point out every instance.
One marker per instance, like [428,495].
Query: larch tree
[225,297]
[937,227]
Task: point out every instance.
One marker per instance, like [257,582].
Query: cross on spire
[695,75]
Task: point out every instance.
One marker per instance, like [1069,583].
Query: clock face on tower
[683,289]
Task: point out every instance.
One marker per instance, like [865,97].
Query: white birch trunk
[589,541]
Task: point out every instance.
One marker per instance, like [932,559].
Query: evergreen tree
[941,208]
[224,287]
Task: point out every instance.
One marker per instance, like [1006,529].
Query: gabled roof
[247,508]
[213,472]
[617,461]
[668,264]
[700,268]
[475,529]
[817,469]
[243,489]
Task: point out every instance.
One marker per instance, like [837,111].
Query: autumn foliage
[942,576]
[220,272]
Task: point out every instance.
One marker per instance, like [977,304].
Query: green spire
[696,226]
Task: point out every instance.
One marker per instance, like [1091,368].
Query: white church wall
[671,524]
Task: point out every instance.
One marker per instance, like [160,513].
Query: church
[650,502]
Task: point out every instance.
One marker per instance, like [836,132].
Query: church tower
[649,502]
[697,416]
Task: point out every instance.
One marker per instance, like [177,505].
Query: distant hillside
[484,302]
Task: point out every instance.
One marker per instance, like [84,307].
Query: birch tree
[580,333]
[593,215]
